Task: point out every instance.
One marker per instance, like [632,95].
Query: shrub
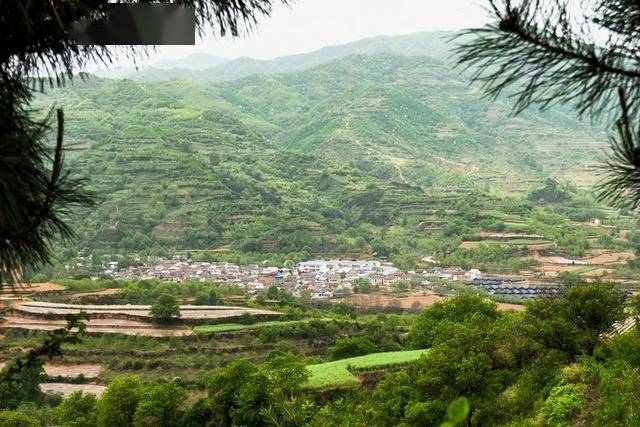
[165,309]
[246,318]
[457,310]
[118,404]
[564,403]
[352,346]
[77,410]
[39,278]
[17,419]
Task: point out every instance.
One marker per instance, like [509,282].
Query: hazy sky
[307,25]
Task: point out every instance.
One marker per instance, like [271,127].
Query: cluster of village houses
[323,278]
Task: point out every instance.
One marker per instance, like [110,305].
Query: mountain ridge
[426,43]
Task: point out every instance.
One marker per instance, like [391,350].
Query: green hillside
[357,156]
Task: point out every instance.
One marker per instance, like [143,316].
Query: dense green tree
[209,297]
[198,414]
[160,405]
[165,309]
[244,395]
[77,410]
[456,310]
[223,386]
[276,293]
[362,286]
[575,323]
[17,419]
[24,386]
[552,192]
[117,405]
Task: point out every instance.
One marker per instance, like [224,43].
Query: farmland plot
[142,311]
[66,389]
[70,371]
[95,326]
[340,372]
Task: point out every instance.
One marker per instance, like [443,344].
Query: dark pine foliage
[545,52]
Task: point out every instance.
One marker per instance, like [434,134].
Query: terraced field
[69,371]
[142,311]
[120,319]
[341,372]
[66,389]
[230,327]
[96,326]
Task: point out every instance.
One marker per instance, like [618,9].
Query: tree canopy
[165,309]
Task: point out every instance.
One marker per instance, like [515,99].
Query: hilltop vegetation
[208,69]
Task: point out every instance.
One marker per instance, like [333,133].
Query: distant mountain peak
[209,68]
[195,61]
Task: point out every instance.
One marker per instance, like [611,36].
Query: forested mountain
[348,157]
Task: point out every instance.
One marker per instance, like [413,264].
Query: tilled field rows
[96,326]
[70,371]
[186,311]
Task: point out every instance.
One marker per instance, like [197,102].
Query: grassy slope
[339,372]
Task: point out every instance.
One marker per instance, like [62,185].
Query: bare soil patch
[142,311]
[468,244]
[610,258]
[70,371]
[503,306]
[380,300]
[603,257]
[598,272]
[406,302]
[96,326]
[550,268]
[540,246]
[67,389]
[559,260]
[27,288]
[110,291]
[492,235]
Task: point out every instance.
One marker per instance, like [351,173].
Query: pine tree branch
[545,60]
[620,186]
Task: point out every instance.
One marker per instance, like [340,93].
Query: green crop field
[584,269]
[339,372]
